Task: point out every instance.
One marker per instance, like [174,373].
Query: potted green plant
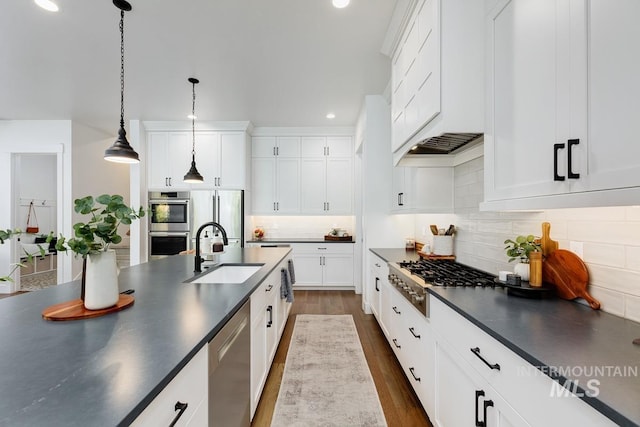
[8,234]
[92,241]
[519,250]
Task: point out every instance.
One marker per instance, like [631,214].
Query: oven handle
[169,202]
[169,233]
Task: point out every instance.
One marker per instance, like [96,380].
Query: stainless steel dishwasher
[230,372]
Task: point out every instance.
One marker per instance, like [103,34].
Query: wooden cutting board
[74,310]
[546,243]
[569,274]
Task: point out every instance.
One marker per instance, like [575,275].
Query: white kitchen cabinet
[422,190]
[464,398]
[323,265]
[269,313]
[221,159]
[517,381]
[189,386]
[326,175]
[169,160]
[275,175]
[436,77]
[563,88]
[378,271]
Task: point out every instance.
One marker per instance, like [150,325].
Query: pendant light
[121,151]
[193,176]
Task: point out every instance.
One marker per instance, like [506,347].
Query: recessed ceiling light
[340,3]
[331,116]
[47,5]
[192,117]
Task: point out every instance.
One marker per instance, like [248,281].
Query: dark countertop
[106,370]
[299,240]
[554,333]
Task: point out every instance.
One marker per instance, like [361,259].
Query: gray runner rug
[326,380]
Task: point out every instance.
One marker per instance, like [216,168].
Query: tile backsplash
[610,239]
[301,226]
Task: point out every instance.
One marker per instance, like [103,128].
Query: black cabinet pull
[413,374]
[269,288]
[179,407]
[270,311]
[395,342]
[396,309]
[556,147]
[479,394]
[377,281]
[487,403]
[570,173]
[476,351]
[413,332]
[400,199]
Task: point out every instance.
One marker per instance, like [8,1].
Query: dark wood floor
[400,404]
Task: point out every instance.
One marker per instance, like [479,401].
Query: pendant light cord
[193,121]
[122,69]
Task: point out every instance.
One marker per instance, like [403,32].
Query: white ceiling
[272,62]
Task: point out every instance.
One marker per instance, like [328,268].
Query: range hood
[447,143]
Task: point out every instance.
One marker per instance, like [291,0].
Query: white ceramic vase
[522,269]
[101,281]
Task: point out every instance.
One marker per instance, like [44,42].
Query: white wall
[93,176]
[610,237]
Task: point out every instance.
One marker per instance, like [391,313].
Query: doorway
[35,212]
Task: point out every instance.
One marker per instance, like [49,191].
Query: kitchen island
[587,354]
[106,370]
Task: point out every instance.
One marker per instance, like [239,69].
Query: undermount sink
[228,273]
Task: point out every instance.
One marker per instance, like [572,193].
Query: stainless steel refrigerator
[226,207]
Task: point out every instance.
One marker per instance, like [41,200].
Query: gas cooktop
[447,273]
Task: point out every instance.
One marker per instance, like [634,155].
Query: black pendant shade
[193,176]
[121,151]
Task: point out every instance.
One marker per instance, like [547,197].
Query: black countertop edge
[299,240]
[594,402]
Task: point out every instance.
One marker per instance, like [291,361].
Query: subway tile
[632,258]
[613,213]
[632,308]
[604,254]
[614,279]
[610,301]
[613,232]
[632,213]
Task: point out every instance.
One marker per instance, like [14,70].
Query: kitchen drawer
[321,248]
[260,296]
[526,388]
[189,386]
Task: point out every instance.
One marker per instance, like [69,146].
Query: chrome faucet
[225,241]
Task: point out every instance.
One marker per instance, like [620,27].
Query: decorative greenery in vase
[522,247]
[97,234]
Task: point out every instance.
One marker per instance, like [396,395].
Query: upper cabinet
[422,190]
[562,98]
[169,159]
[221,155]
[221,159]
[275,170]
[326,175]
[437,84]
[302,175]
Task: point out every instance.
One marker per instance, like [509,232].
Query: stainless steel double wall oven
[170,219]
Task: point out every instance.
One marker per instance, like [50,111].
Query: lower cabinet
[323,265]
[463,376]
[190,388]
[378,271]
[269,314]
[463,398]
[468,360]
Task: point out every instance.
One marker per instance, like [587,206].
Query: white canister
[442,245]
